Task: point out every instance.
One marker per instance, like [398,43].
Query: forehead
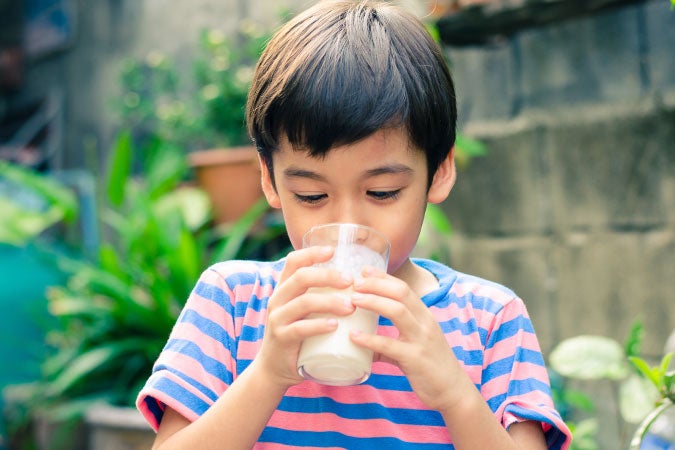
[388,143]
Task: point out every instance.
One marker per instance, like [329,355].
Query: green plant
[30,204]
[116,311]
[664,381]
[206,111]
[637,387]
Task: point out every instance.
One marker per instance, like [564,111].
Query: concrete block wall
[574,207]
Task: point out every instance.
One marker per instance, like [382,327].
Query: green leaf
[231,246]
[53,191]
[85,364]
[633,341]
[637,397]
[467,148]
[435,217]
[589,357]
[30,203]
[584,435]
[120,168]
[166,167]
[665,363]
[646,371]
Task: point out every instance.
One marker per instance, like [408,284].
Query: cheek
[403,239]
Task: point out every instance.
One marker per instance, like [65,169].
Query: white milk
[332,358]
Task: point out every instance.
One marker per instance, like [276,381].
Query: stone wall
[574,207]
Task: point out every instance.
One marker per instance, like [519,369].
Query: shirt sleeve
[197,363]
[515,380]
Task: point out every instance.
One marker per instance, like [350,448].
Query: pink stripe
[355,395]
[207,308]
[210,346]
[275,446]
[505,347]
[454,311]
[463,288]
[521,371]
[369,428]
[248,350]
[252,318]
[193,369]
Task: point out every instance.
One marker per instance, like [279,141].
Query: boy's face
[380,182]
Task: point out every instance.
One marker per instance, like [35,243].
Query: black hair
[343,70]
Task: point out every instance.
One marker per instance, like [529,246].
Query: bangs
[348,92]
[335,78]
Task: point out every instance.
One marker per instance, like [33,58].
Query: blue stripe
[505,365]
[334,439]
[195,383]
[361,411]
[252,334]
[188,399]
[519,387]
[554,437]
[469,357]
[254,303]
[213,293]
[455,324]
[209,328]
[389,382]
[210,365]
[509,329]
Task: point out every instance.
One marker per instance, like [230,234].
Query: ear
[267,185]
[444,179]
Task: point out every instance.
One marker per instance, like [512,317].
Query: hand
[290,304]
[420,350]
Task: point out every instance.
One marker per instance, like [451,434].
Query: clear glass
[332,358]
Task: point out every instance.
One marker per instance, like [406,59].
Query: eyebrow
[296,172]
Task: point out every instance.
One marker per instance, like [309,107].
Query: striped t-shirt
[220,331]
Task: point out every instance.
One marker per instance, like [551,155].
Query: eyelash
[377,195]
[385,195]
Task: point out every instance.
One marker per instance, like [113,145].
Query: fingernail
[347,277]
[367,270]
[358,281]
[326,249]
[332,322]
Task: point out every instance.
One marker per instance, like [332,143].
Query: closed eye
[310,199]
[384,195]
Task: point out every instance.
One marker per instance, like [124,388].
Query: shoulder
[236,280]
[465,287]
[243,272]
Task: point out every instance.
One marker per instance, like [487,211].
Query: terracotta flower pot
[231,178]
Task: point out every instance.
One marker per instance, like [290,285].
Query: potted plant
[115,312]
[205,116]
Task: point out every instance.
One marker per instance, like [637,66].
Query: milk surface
[332,358]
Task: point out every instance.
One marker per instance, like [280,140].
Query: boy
[353,112]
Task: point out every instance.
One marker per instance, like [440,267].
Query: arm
[424,356]
[237,418]
[240,414]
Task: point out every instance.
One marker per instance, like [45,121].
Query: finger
[384,348]
[306,278]
[378,282]
[297,332]
[313,302]
[397,312]
[305,257]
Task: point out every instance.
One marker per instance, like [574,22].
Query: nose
[349,211]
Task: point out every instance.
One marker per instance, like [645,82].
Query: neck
[420,280]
